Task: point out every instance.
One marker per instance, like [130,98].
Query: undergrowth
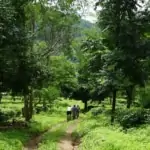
[96,133]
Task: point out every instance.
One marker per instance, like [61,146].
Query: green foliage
[89,123]
[9,114]
[63,74]
[52,25]
[144,97]
[107,139]
[9,109]
[51,139]
[48,120]
[50,94]
[96,111]
[13,140]
[133,117]
[3,117]
[123,40]
[97,134]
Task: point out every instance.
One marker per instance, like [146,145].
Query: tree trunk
[31,105]
[28,107]
[129,92]
[113,106]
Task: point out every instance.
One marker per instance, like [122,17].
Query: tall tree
[121,22]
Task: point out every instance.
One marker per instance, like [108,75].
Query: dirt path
[67,143]
[35,140]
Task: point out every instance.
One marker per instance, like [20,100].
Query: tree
[19,67]
[125,37]
[63,74]
[31,31]
[49,95]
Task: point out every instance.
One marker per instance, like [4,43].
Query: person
[74,112]
[68,113]
[78,111]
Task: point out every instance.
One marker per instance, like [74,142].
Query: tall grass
[96,133]
[14,139]
[107,139]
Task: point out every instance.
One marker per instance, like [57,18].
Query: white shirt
[69,109]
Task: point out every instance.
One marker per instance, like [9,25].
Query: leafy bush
[18,113]
[49,95]
[96,111]
[144,99]
[3,117]
[6,115]
[133,117]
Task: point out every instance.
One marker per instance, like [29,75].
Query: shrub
[49,95]
[11,114]
[133,117]
[96,111]
[18,113]
[6,115]
[144,97]
[3,117]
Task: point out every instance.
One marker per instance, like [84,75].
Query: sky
[89,12]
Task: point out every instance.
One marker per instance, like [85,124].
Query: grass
[43,121]
[14,139]
[107,139]
[96,133]
[51,138]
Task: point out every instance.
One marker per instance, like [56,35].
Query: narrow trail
[35,140]
[67,142]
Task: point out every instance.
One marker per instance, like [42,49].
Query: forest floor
[66,142]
